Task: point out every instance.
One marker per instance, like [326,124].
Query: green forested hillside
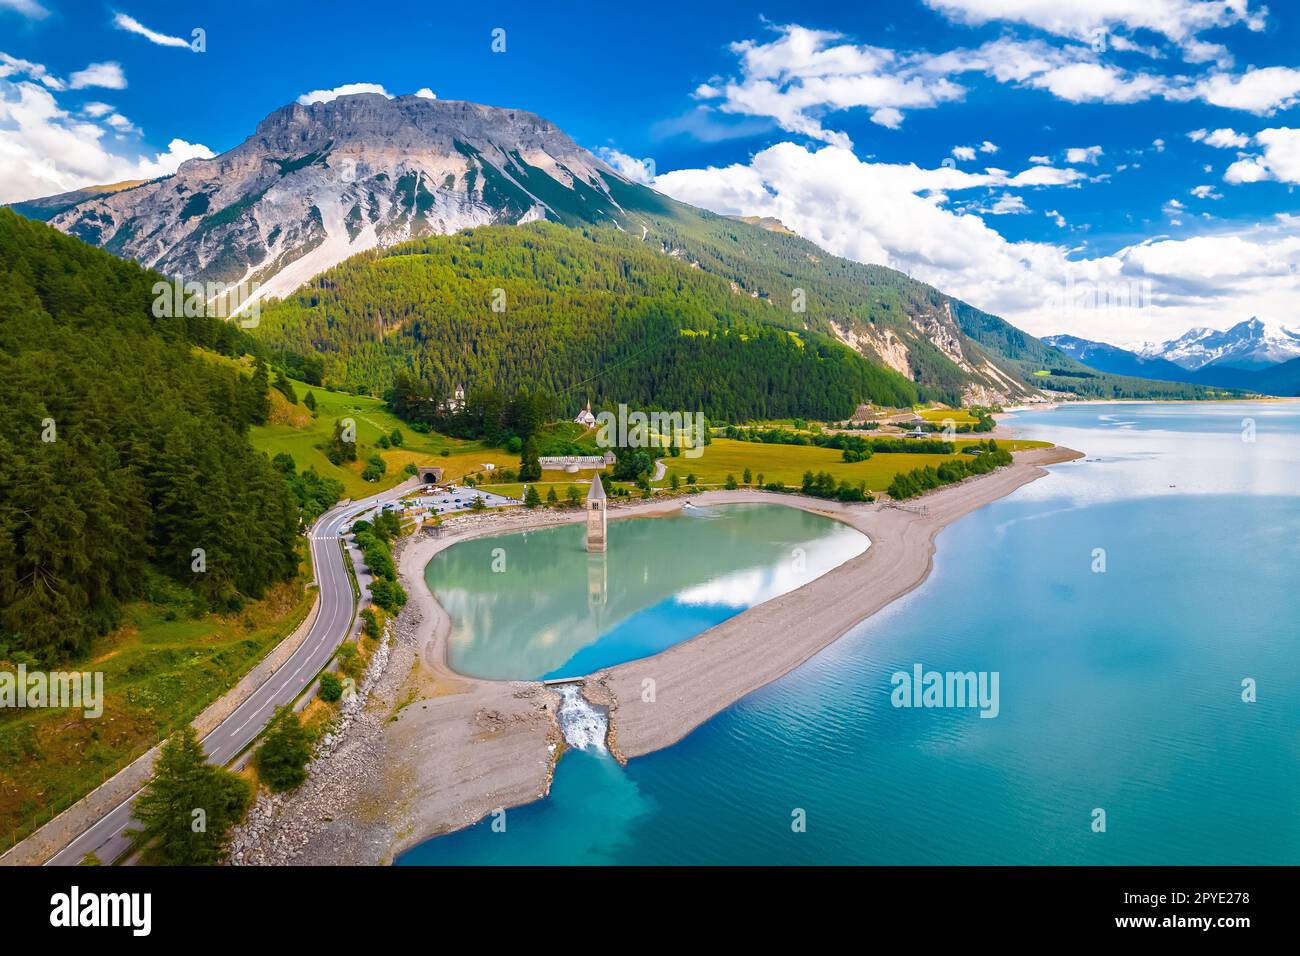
[121,451]
[586,311]
[675,308]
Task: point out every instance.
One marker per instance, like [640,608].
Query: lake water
[1120,690]
[535,604]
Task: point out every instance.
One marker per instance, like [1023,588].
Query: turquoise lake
[535,604]
[1119,690]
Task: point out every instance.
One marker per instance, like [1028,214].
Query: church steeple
[596,518]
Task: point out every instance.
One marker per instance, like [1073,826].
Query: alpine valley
[651,461]
[458,242]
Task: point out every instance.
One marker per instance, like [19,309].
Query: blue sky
[1121,176]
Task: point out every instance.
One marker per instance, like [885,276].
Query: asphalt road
[333,624]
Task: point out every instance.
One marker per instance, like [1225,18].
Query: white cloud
[1280,159]
[804,73]
[11,67]
[165,163]
[44,149]
[425,93]
[1233,258]
[1071,72]
[325,96]
[1008,204]
[1083,154]
[1262,91]
[107,75]
[887,214]
[96,110]
[1221,138]
[630,167]
[1205,192]
[1096,82]
[121,124]
[1199,51]
[887,117]
[987,147]
[28,8]
[1248,170]
[132,25]
[1046,176]
[1177,20]
[964,153]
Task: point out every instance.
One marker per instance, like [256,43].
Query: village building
[457,401]
[572,464]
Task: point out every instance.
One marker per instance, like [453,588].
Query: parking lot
[456,499]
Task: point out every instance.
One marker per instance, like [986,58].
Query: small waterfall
[583,724]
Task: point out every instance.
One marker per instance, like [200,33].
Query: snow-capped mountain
[1116,360]
[317,184]
[1252,344]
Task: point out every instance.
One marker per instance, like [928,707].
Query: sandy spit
[460,748]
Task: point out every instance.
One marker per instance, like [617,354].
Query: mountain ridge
[315,185]
[1278,379]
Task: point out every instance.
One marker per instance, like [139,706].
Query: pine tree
[258,407]
[282,759]
[530,468]
[188,808]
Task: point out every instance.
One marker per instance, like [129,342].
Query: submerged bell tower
[596,519]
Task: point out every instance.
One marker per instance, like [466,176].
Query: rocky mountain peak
[318,183]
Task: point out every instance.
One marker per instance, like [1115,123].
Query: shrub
[331,688]
[388,595]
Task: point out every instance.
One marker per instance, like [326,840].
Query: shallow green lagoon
[535,604]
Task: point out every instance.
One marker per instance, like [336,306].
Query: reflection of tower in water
[597,581]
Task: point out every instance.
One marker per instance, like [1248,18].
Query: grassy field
[294,430]
[161,668]
[787,463]
[959,416]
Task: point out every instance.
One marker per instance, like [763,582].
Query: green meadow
[295,430]
[787,463]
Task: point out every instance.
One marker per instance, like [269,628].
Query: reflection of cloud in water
[743,589]
[551,612]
